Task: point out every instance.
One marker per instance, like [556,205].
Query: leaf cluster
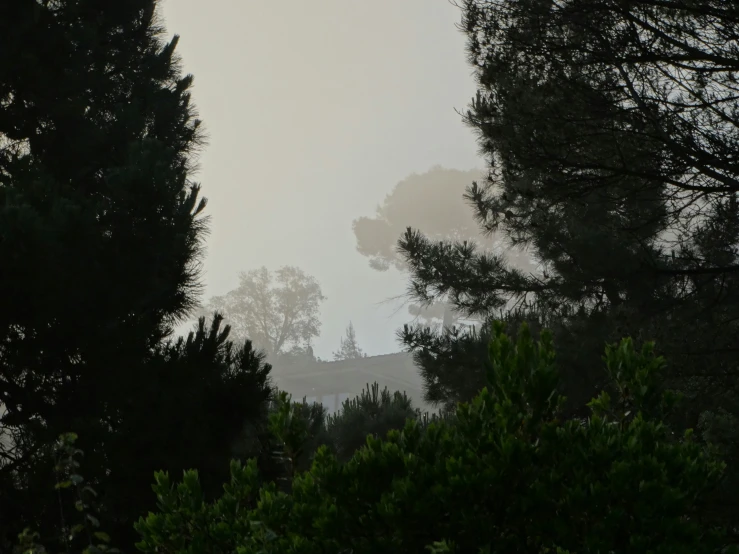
[505,474]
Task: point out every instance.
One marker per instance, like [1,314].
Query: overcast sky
[314,111]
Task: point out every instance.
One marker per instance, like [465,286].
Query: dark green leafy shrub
[80,528]
[299,428]
[375,412]
[504,475]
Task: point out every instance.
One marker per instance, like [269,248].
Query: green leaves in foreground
[80,528]
[505,475]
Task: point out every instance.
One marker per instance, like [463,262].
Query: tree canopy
[432,202]
[276,311]
[504,475]
[101,231]
[610,129]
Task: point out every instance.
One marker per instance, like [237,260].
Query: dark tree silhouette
[611,130]
[101,229]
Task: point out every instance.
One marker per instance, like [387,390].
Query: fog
[314,112]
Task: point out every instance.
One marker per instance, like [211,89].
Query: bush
[505,474]
[375,412]
[80,529]
[299,429]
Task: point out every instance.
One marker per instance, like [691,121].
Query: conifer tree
[611,133]
[349,349]
[431,201]
[373,413]
[101,229]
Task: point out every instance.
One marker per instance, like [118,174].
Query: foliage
[432,202]
[610,130]
[504,475]
[349,347]
[101,230]
[73,535]
[214,393]
[297,355]
[453,364]
[215,408]
[374,413]
[276,311]
[300,429]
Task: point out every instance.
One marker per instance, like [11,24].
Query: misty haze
[424,275]
[350,129]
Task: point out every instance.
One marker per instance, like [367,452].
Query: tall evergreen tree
[349,349]
[101,229]
[208,402]
[611,131]
[374,412]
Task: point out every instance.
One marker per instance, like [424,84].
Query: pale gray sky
[314,111]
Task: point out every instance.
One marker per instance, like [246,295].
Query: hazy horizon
[314,112]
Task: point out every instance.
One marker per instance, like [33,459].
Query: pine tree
[611,133]
[433,203]
[453,364]
[349,347]
[374,412]
[101,230]
[210,405]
